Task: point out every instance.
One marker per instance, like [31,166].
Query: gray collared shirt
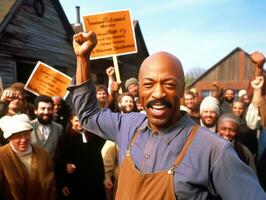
[210,165]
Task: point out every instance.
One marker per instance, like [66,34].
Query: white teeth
[158,106]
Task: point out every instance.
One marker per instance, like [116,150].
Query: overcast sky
[198,32]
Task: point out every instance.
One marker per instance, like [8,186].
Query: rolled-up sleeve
[102,122]
[90,114]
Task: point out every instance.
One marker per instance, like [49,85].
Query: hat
[210,103]
[15,124]
[241,93]
[130,82]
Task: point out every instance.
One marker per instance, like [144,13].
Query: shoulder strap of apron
[185,148]
[134,138]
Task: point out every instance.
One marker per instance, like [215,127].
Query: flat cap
[130,81]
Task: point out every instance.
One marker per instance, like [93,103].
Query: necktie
[45,132]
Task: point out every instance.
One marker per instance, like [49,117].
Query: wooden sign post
[117,73]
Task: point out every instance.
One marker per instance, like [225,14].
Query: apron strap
[134,138]
[185,148]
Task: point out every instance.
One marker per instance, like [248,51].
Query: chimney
[78,14]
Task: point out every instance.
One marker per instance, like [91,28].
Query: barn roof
[217,64]
[9,8]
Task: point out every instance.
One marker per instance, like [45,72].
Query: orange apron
[134,185]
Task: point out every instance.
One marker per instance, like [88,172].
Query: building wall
[7,69]
[235,72]
[31,37]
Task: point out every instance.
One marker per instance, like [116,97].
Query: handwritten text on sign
[46,80]
[114,32]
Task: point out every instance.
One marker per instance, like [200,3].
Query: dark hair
[101,87]
[42,98]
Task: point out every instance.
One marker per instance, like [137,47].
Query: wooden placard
[45,80]
[115,33]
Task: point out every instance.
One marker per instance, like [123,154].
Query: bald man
[163,154]
[228,127]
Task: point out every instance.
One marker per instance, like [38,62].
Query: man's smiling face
[161,81]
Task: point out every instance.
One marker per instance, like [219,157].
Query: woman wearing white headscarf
[26,171]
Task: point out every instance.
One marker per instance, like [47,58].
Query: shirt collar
[177,127]
[20,154]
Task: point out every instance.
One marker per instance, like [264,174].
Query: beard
[102,102]
[45,121]
[229,100]
[207,124]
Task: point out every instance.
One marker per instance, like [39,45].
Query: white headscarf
[210,103]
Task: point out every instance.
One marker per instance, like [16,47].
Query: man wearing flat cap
[132,86]
[26,170]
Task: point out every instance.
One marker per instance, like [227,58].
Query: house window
[206,93]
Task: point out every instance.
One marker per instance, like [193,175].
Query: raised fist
[110,71]
[84,43]
[258,58]
[10,95]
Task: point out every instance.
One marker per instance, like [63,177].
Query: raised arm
[257,85]
[101,122]
[258,99]
[83,44]
[218,91]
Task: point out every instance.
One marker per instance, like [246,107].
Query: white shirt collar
[28,151]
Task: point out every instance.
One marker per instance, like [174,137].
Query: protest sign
[46,80]
[115,33]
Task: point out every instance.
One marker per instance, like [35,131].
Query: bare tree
[193,74]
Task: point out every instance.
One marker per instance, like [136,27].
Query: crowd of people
[156,140]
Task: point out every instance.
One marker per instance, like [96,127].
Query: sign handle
[117,74]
